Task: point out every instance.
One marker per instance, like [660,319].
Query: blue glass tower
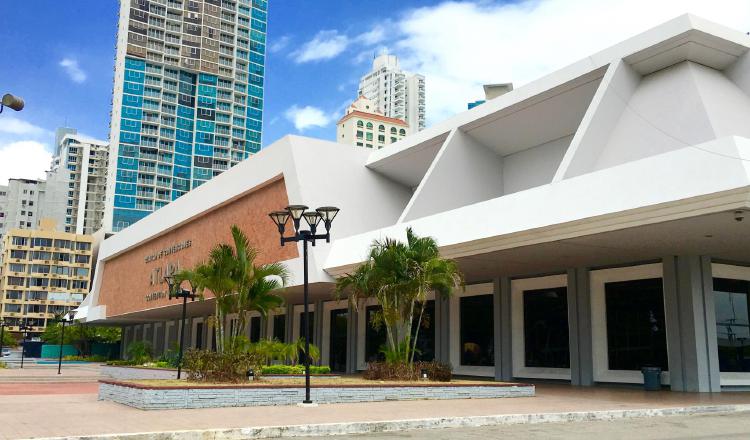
[188,99]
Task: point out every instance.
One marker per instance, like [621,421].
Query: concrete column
[503,328]
[497,328]
[264,327]
[691,324]
[289,323]
[318,323]
[125,337]
[442,330]
[579,327]
[351,340]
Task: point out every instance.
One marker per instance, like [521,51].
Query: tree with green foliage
[80,335]
[237,283]
[9,340]
[400,276]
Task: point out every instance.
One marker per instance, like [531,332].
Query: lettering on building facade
[157,274]
[168,251]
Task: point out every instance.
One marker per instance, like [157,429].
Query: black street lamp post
[2,335]
[176,291]
[326,214]
[65,319]
[25,328]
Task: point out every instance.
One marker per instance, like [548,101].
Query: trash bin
[651,378]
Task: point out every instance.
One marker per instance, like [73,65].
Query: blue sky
[58,55]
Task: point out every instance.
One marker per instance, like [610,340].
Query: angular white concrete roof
[650,130]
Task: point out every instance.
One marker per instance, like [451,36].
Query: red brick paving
[27,389]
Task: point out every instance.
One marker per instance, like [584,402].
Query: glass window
[636,335]
[255,329]
[360,124]
[375,335]
[279,327]
[426,335]
[337,339]
[545,322]
[477,331]
[732,324]
[369,125]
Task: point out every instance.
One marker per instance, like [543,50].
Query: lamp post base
[307,404]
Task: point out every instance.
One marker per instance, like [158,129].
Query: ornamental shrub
[436,371]
[92,358]
[294,369]
[211,366]
[139,352]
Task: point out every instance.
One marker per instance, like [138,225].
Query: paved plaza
[715,426]
[72,409]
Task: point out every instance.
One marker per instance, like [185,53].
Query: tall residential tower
[397,94]
[80,169]
[187,101]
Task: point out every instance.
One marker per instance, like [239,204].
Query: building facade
[187,100]
[363,126]
[43,273]
[24,202]
[600,216]
[80,169]
[396,94]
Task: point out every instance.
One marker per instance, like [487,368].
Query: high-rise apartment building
[187,101]
[397,94]
[79,175]
[363,126]
[23,202]
[43,272]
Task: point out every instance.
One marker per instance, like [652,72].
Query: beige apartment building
[364,126]
[43,272]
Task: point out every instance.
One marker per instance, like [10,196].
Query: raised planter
[181,397]
[124,372]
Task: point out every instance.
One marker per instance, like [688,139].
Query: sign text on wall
[168,251]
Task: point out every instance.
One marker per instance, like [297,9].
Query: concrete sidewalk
[27,416]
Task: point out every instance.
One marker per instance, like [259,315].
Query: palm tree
[238,285]
[400,275]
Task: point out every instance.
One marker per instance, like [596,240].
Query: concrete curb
[349,428]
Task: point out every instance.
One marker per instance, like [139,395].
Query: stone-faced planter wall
[125,372]
[149,397]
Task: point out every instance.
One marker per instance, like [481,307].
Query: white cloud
[74,71]
[373,36]
[325,45]
[307,116]
[459,46]
[280,44]
[23,159]
[14,126]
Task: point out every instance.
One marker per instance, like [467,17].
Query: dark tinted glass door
[199,336]
[732,324]
[545,322]
[279,327]
[426,335]
[477,332]
[636,335]
[255,329]
[375,337]
[337,340]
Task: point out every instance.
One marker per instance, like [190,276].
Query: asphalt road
[716,426]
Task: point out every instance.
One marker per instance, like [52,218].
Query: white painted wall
[464,172]
[533,167]
[666,112]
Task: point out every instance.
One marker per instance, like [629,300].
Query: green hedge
[294,369]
